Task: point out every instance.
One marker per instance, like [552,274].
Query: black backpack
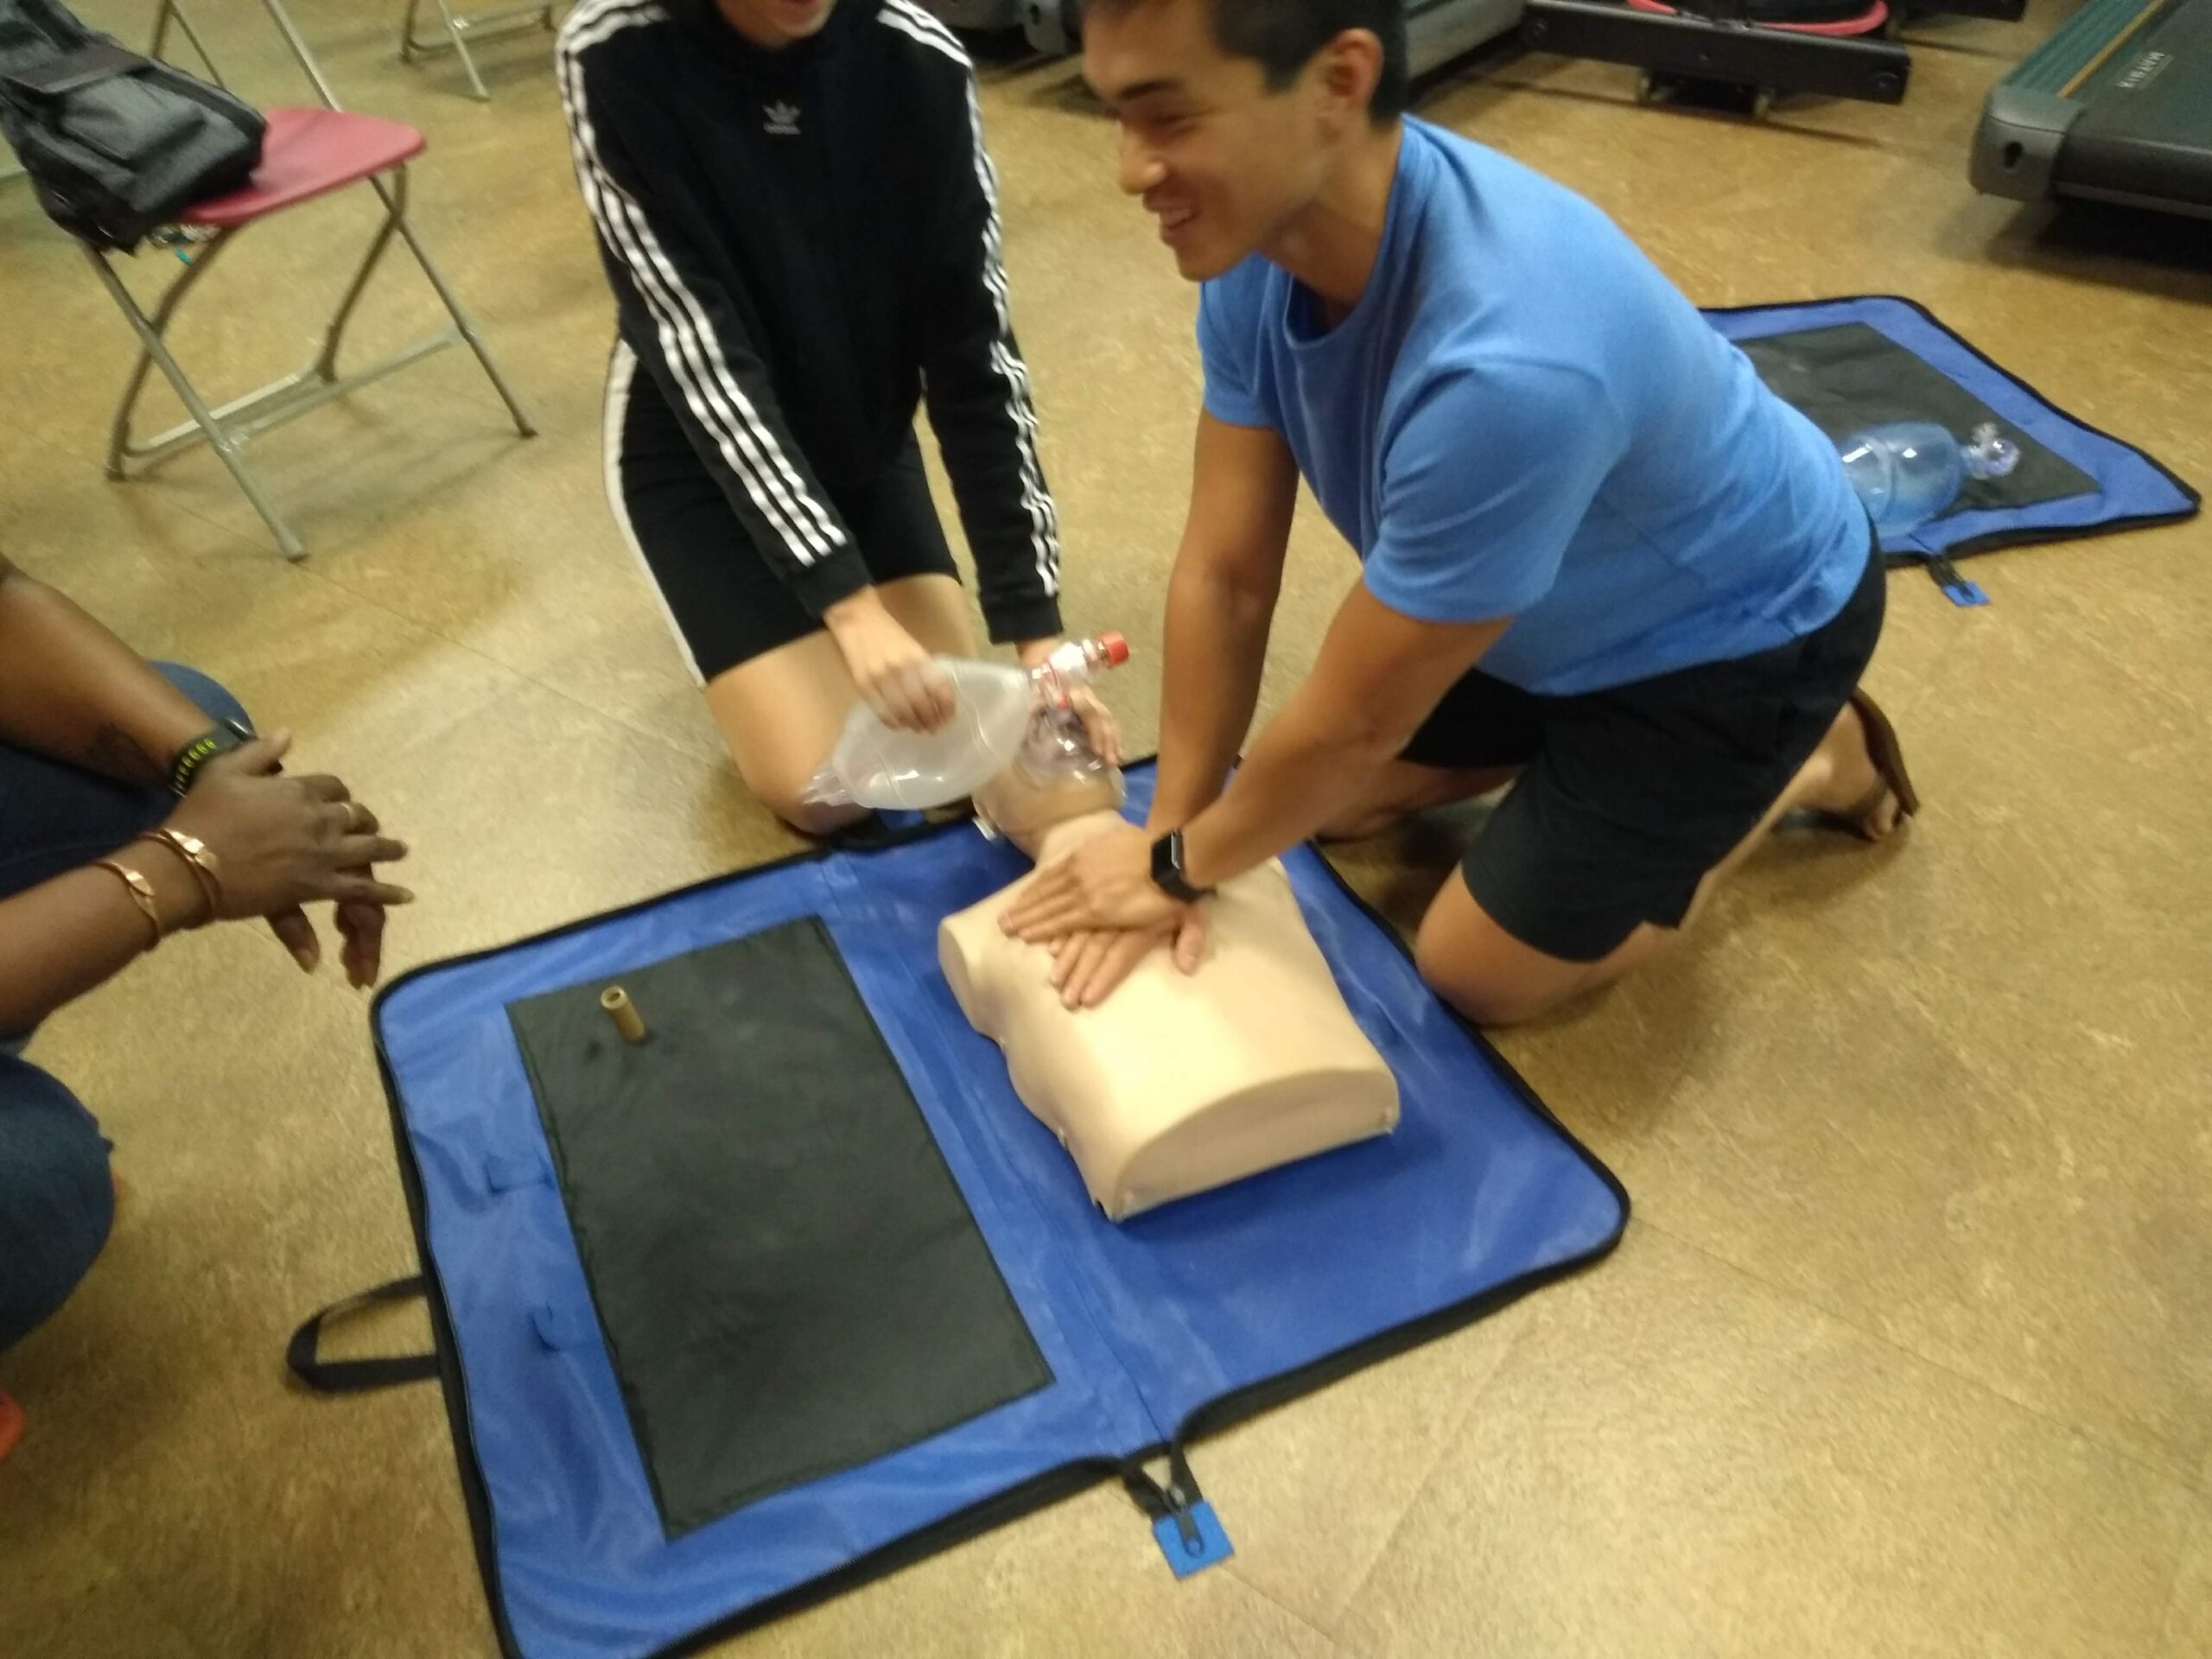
[116,144]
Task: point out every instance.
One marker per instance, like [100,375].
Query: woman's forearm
[63,937]
[71,690]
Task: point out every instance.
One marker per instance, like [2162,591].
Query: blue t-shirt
[1522,417]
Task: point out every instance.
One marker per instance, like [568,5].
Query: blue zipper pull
[1184,1524]
[1955,587]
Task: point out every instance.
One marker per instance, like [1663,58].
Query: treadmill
[1437,31]
[1440,31]
[2115,106]
[1728,44]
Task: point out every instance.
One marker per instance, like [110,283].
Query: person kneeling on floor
[135,802]
[1601,561]
[799,221]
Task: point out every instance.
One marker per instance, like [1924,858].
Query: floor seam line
[2170,1476]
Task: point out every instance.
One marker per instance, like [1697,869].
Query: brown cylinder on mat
[620,1009]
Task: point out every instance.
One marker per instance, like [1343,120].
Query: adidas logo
[783,120]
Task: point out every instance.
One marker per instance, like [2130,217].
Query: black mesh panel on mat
[1851,375]
[789,1281]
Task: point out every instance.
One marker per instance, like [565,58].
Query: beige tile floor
[1909,1348]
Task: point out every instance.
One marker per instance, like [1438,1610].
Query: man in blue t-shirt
[1599,558]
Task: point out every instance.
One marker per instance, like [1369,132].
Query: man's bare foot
[1861,781]
[11,1425]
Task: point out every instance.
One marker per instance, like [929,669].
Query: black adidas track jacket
[804,246]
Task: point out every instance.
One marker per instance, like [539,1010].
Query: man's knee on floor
[1479,968]
[1491,999]
[57,1196]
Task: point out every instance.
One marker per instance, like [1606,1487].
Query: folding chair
[307,154]
[460,25]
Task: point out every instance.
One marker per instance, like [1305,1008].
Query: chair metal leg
[217,437]
[460,26]
[460,50]
[326,363]
[395,202]
[227,428]
[298,47]
[119,438]
[170,9]
[456,41]
[158,328]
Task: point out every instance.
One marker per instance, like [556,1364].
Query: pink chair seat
[306,153]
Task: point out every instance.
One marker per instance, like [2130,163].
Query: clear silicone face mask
[1056,776]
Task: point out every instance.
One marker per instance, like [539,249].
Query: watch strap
[217,740]
[1167,869]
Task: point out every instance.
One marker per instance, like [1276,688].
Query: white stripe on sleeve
[1044,519]
[711,391]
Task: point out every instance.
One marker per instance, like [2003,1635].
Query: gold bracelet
[142,895]
[206,869]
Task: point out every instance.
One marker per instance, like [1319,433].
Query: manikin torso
[1177,1083]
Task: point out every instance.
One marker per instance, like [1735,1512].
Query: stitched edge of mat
[1063,1480]
[1995,541]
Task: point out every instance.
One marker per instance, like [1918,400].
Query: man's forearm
[1217,647]
[1303,770]
[1378,677]
[71,690]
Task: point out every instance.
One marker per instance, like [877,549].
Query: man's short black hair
[1283,36]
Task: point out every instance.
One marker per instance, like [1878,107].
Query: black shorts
[723,598]
[1628,796]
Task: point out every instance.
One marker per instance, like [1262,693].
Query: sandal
[1890,777]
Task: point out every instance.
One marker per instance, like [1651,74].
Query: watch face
[1167,868]
[1167,860]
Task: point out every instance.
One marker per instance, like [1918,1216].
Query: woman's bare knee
[813,820]
[780,715]
[783,791]
[788,801]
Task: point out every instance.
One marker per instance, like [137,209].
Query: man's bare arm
[1378,676]
[1221,599]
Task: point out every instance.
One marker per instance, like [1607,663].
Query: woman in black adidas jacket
[800,223]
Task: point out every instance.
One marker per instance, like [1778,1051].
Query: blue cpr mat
[1853,363]
[615,1516]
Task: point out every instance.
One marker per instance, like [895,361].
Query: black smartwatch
[1167,869]
[221,739]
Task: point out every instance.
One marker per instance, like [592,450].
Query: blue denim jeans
[56,1199]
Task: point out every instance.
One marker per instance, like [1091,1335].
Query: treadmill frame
[1716,44]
